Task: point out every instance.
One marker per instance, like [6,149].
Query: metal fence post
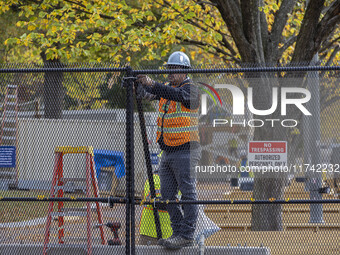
[130,223]
[315,182]
[148,163]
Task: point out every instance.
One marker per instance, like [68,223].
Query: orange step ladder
[58,182]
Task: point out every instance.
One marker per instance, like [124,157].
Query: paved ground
[300,241]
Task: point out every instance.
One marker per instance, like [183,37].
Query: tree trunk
[53,90]
[268,185]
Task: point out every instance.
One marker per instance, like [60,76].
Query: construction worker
[232,147]
[243,164]
[177,136]
[147,230]
[222,160]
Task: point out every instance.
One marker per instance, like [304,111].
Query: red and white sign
[267,153]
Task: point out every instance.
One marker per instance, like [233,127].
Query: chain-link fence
[236,160]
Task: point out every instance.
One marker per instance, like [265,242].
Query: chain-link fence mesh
[216,135]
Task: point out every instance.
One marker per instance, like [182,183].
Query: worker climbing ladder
[58,183]
[9,128]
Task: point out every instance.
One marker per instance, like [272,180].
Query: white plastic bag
[204,225]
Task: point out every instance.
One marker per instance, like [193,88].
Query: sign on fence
[7,156]
[267,153]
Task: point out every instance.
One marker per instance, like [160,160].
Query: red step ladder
[58,182]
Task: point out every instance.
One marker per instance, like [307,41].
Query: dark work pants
[177,173]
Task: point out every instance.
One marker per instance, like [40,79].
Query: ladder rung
[81,238]
[12,96]
[7,173]
[78,209]
[72,180]
[12,86]
[70,239]
[9,121]
[8,137]
[10,115]
[67,213]
[57,188]
[76,238]
[65,245]
[9,129]
[10,112]
[76,248]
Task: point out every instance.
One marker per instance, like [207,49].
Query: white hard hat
[178,58]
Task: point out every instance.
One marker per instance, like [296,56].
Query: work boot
[161,241]
[178,242]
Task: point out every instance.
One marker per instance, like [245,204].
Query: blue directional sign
[7,156]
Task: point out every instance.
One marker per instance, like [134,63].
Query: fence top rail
[168,71]
[123,200]
[239,70]
[63,69]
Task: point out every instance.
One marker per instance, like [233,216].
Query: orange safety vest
[178,123]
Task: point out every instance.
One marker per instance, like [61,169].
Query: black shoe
[161,241]
[177,242]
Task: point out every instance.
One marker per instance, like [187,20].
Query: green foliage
[139,32]
[105,30]
[18,53]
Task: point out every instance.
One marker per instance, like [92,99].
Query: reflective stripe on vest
[178,130]
[147,222]
[178,123]
[250,172]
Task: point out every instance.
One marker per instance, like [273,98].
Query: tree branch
[203,44]
[333,55]
[196,24]
[224,58]
[264,30]
[328,22]
[329,44]
[258,30]
[306,47]
[90,13]
[280,20]
[228,45]
[247,20]
[231,14]
[76,3]
[291,40]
